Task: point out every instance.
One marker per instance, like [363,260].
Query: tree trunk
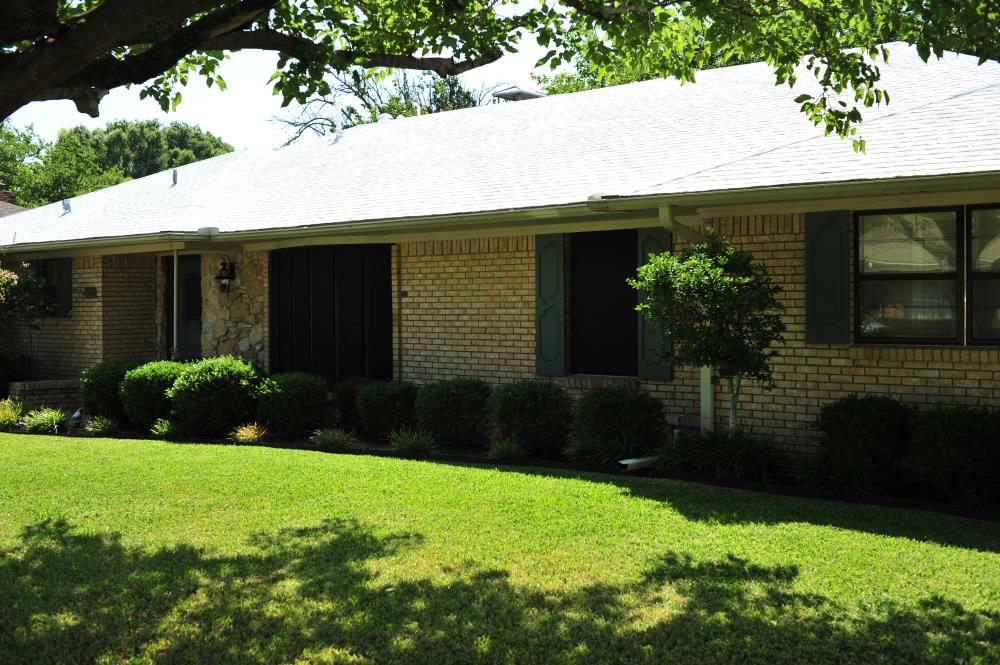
[734,397]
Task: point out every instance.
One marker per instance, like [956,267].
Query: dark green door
[188,305]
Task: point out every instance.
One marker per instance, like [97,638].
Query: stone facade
[235,323]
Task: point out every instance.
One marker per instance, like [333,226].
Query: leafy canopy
[79,49]
[717,305]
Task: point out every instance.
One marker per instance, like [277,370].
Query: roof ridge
[807,139]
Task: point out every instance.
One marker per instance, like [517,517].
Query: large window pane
[985,304]
[986,240]
[911,242]
[909,308]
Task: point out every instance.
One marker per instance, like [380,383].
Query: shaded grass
[138,551]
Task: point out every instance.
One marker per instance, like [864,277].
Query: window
[930,276]
[603,323]
[56,276]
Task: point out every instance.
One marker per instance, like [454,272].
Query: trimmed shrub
[956,450]
[101,426]
[537,415]
[332,438]
[11,411]
[740,457]
[615,422]
[861,440]
[163,429]
[44,421]
[248,434]
[385,406]
[212,396]
[99,388]
[412,441]
[292,404]
[345,401]
[143,391]
[454,412]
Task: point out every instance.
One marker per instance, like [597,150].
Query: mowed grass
[148,552]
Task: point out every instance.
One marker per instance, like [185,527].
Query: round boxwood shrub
[212,396]
[454,412]
[345,402]
[385,406]
[861,440]
[956,451]
[99,388]
[292,404]
[615,422]
[535,414]
[143,391]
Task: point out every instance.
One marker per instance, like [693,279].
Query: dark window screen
[603,320]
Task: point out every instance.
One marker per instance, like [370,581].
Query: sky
[242,114]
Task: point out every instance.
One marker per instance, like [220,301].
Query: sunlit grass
[143,551]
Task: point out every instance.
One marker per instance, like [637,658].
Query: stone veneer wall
[466,308]
[236,322]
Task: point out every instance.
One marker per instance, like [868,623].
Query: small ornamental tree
[22,296]
[718,307]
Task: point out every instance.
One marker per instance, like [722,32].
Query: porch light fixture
[227,273]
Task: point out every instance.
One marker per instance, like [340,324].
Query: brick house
[494,242]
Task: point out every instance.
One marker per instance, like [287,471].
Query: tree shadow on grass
[314,595]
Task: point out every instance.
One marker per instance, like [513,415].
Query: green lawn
[142,552]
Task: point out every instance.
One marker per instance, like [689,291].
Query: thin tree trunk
[734,397]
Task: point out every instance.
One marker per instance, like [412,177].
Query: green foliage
[454,412]
[99,388]
[733,456]
[615,422]
[22,294]
[333,438]
[213,396]
[719,307]
[83,160]
[164,429]
[293,404]
[249,433]
[143,391]
[385,406]
[537,415]
[412,441]
[345,401]
[506,449]
[957,451]
[44,421]
[861,440]
[101,426]
[11,411]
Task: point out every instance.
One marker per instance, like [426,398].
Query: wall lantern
[227,273]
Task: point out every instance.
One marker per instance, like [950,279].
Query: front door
[188,343]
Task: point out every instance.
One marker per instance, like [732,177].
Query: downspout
[175,351]
[399,312]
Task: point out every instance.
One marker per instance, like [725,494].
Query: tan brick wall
[58,394]
[466,308]
[128,307]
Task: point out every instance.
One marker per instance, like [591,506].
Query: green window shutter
[63,274]
[550,305]
[651,339]
[828,315]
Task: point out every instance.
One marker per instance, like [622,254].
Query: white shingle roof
[733,129]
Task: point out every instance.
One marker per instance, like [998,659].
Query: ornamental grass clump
[11,412]
[163,429]
[44,421]
[333,438]
[412,441]
[101,426]
[248,433]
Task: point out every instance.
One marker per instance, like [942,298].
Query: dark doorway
[603,320]
[331,311]
[188,342]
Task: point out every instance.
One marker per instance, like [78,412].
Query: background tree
[82,160]
[363,97]
[79,49]
[718,307]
